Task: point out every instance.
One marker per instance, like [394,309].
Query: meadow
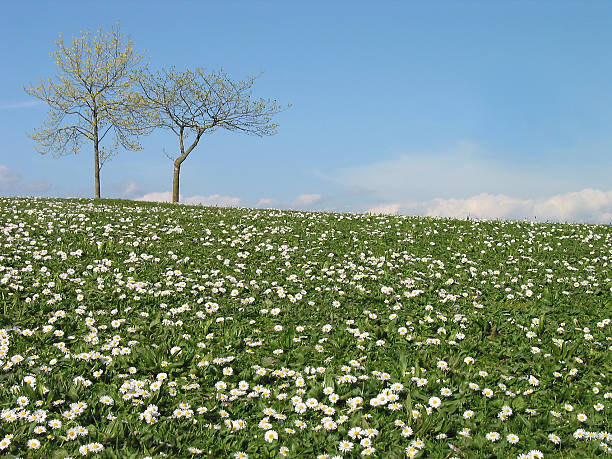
[155,330]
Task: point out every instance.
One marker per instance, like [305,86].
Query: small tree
[92,97]
[194,103]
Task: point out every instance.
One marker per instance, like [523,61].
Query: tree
[91,97]
[194,103]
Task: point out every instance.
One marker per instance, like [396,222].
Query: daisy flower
[512,438]
[33,444]
[554,438]
[435,402]
[270,436]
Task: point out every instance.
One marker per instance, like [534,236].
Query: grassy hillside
[135,329]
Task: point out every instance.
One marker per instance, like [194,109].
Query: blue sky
[488,109]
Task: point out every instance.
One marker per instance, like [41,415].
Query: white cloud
[12,182]
[37,186]
[130,189]
[26,104]
[213,200]
[387,209]
[307,200]
[267,202]
[468,169]
[588,205]
[157,196]
[8,176]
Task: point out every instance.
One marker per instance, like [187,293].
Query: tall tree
[194,103]
[92,97]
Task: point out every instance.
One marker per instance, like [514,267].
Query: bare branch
[197,103]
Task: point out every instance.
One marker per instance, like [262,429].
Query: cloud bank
[26,104]
[158,196]
[8,176]
[466,170]
[11,182]
[267,202]
[468,179]
[130,189]
[307,200]
[589,205]
[212,200]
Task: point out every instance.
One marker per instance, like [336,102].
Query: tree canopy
[92,97]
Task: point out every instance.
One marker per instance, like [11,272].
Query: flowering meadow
[152,330]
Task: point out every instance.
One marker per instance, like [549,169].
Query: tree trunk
[175,181]
[96,167]
[178,161]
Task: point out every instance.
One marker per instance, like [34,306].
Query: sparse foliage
[92,97]
[194,103]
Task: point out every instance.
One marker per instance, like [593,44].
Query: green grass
[158,330]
